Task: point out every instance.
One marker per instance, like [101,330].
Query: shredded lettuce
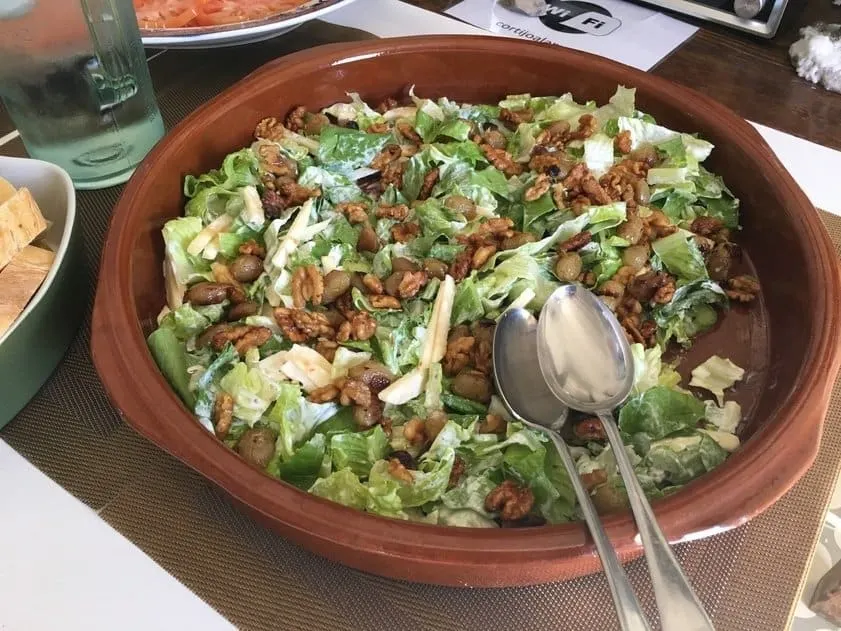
[716,374]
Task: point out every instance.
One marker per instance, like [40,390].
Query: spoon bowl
[582,351]
[519,381]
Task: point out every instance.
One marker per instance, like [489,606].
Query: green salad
[332,292]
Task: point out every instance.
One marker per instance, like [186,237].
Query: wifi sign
[571,16]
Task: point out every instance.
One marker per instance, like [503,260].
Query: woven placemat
[748,578]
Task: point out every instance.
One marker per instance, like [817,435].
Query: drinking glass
[74,80]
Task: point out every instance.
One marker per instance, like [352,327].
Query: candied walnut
[612,288]
[270,129]
[223,414]
[273,161]
[392,175]
[327,349]
[287,196]
[575,242]
[549,163]
[373,284]
[414,431]
[510,500]
[706,226]
[295,119]
[356,212]
[243,337]
[354,392]
[644,287]
[593,479]
[502,160]
[658,225]
[253,248]
[493,424]
[360,326]
[622,142]
[743,288]
[640,332]
[398,470]
[587,126]
[330,392]
[482,255]
[594,191]
[389,103]
[483,356]
[538,189]
[589,429]
[556,135]
[460,266]
[378,128]
[408,132]
[405,231]
[398,212]
[457,355]
[579,205]
[558,194]
[411,284]
[625,274]
[456,472]
[385,302]
[429,181]
[299,325]
[389,154]
[665,292]
[307,286]
[512,118]
[498,227]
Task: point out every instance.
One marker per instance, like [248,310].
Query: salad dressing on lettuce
[332,291]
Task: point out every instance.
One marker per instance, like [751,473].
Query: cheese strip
[20,222]
[19,281]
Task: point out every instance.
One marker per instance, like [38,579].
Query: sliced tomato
[181,13]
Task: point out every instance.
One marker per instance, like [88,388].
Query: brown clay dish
[790,345]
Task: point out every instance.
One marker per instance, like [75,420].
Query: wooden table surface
[750,74]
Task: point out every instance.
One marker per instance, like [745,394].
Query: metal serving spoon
[526,395]
[586,361]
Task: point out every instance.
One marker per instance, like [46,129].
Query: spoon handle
[679,607]
[628,609]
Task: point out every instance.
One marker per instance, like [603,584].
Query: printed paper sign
[621,31]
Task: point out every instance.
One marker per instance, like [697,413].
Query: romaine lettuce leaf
[302,468]
[357,111]
[295,418]
[178,234]
[207,384]
[725,418]
[335,187]
[171,357]
[685,458]
[252,392]
[716,374]
[342,487]
[690,311]
[660,411]
[680,254]
[210,193]
[345,150]
[470,494]
[358,451]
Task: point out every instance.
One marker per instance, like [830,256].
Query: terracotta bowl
[789,342]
